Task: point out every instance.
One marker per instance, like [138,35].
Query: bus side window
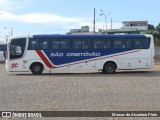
[118,44]
[81,44]
[1,47]
[138,43]
[85,44]
[32,44]
[65,44]
[76,44]
[55,44]
[97,44]
[147,43]
[44,44]
[106,44]
[128,43]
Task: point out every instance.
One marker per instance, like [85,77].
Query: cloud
[43,18]
[7,16]
[10,5]
[40,18]
[56,21]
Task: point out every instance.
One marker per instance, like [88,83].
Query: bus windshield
[17,48]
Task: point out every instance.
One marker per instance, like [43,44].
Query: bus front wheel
[109,68]
[37,68]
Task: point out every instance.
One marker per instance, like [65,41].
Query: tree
[157,35]
[150,27]
[158,27]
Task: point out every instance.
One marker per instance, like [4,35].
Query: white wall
[136,27]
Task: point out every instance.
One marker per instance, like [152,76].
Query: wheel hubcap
[110,68]
[37,68]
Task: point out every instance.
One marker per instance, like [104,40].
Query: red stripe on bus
[45,60]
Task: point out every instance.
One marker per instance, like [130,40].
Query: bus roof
[92,36]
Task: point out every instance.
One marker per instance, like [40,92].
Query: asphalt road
[81,91]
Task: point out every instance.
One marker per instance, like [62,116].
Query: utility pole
[6,38]
[105,16]
[94,22]
[11,31]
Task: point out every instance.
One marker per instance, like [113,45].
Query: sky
[25,17]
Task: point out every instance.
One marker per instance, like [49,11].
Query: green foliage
[150,27]
[149,32]
[156,39]
[158,27]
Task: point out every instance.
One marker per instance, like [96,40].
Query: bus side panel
[66,67]
[31,57]
[23,64]
[152,60]
[16,65]
[87,65]
[137,60]
[153,57]
[117,59]
[99,64]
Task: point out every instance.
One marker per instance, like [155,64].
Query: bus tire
[37,68]
[109,68]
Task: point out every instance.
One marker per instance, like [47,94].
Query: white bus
[3,49]
[80,52]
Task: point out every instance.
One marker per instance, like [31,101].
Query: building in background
[131,27]
[82,30]
[139,25]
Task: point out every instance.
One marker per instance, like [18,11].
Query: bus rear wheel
[109,68]
[37,68]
